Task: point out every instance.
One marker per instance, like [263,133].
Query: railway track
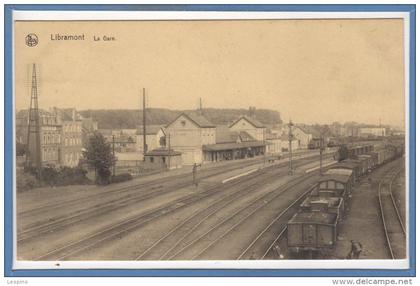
[263,242]
[120,228]
[213,171]
[38,229]
[167,243]
[394,228]
[200,247]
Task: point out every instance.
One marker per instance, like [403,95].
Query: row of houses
[63,133]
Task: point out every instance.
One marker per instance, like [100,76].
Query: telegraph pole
[169,151]
[34,156]
[113,153]
[144,125]
[321,150]
[290,148]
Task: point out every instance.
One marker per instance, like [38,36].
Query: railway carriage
[330,205]
[332,185]
[341,169]
[310,231]
[369,161]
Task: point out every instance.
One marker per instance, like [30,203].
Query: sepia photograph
[265,139]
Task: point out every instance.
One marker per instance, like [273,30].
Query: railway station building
[232,145]
[188,134]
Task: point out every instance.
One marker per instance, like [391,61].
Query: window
[183,123]
[331,185]
[152,159]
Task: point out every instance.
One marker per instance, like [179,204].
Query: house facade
[155,138]
[302,136]
[250,125]
[71,136]
[50,137]
[188,134]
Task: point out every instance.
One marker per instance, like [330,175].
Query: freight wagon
[330,205]
[315,226]
[311,231]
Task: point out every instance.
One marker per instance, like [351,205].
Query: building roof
[233,146]
[254,122]
[225,135]
[314,217]
[163,152]
[150,129]
[246,137]
[199,120]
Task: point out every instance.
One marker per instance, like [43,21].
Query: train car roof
[340,171]
[335,177]
[314,217]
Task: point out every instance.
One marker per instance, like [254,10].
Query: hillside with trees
[120,119]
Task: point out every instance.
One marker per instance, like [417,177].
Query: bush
[72,176]
[121,178]
[25,182]
[62,176]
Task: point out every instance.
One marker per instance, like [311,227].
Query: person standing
[356,250]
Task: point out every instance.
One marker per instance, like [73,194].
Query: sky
[312,71]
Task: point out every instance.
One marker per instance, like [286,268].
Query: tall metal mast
[34,129]
[144,125]
[290,148]
[321,149]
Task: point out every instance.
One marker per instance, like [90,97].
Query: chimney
[252,110]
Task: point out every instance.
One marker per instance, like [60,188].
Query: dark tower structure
[33,158]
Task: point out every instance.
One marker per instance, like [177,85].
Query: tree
[99,156]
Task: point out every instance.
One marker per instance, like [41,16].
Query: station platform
[363,222]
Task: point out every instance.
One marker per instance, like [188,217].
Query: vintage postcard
[210,140]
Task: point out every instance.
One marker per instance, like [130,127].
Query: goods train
[315,227]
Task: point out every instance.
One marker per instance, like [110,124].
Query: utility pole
[169,150]
[290,148]
[144,125]
[34,128]
[201,107]
[113,153]
[264,146]
[321,150]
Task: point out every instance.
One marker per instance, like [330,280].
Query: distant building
[274,144]
[189,133]
[372,131]
[302,135]
[71,136]
[155,137]
[89,127]
[250,125]
[121,140]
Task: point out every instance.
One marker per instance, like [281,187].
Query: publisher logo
[31,40]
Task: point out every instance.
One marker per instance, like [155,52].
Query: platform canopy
[233,146]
